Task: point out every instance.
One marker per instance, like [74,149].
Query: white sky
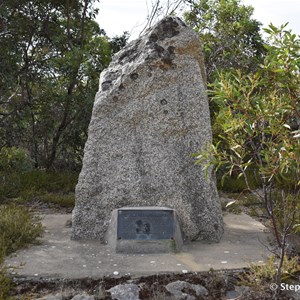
[117,16]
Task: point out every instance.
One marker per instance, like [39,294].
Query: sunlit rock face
[150,114]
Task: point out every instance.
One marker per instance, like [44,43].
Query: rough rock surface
[179,290]
[125,292]
[60,297]
[150,114]
[83,297]
[51,297]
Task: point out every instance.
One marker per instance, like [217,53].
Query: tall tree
[52,55]
[230,36]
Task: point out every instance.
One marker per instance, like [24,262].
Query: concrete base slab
[244,241]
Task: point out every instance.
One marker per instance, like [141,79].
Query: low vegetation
[20,182]
[18,229]
[260,275]
[21,185]
[38,185]
[6,284]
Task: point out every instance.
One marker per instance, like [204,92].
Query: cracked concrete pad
[60,257]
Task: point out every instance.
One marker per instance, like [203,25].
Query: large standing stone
[150,114]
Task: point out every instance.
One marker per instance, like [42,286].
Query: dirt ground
[219,285]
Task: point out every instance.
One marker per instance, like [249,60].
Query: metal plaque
[145,224]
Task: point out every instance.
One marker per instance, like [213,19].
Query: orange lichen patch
[164,65]
[194,49]
[190,48]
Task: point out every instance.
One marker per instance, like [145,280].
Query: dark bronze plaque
[145,224]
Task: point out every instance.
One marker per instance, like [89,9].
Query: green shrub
[29,185]
[10,186]
[50,182]
[235,184]
[6,284]
[14,159]
[259,274]
[13,162]
[17,228]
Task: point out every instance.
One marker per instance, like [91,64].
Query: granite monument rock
[150,114]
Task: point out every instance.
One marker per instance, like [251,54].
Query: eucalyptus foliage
[230,35]
[257,126]
[52,53]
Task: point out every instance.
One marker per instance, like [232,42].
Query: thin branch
[159,9]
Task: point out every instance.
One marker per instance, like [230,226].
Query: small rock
[241,289]
[176,289]
[200,290]
[232,295]
[116,273]
[125,292]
